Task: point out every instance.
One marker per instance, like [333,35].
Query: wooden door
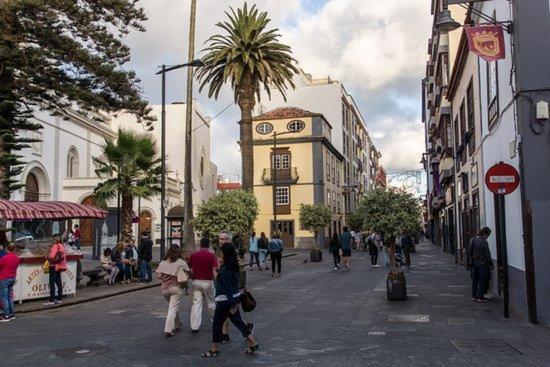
[87,225]
[286,230]
[32,192]
[145,220]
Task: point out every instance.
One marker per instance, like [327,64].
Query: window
[333,168]
[282,195]
[337,173]
[296,125]
[492,91]
[471,117]
[282,161]
[339,208]
[327,160]
[264,128]
[72,163]
[462,131]
[328,197]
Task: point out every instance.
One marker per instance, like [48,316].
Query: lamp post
[163,71]
[274,178]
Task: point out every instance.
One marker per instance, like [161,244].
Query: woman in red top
[8,272]
[58,264]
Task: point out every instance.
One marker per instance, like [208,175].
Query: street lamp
[274,228]
[163,71]
[446,23]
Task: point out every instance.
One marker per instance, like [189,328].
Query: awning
[57,210]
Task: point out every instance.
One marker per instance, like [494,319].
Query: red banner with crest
[486,41]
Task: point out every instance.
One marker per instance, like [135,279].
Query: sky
[377,49]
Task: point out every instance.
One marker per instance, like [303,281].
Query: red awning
[57,210]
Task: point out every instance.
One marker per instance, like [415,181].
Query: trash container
[396,286]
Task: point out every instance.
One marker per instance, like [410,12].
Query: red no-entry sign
[502,179]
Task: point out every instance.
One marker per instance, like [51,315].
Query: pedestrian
[170,271]
[145,255]
[239,245]
[8,272]
[335,249]
[69,237]
[204,265]
[227,302]
[481,263]
[117,257]
[345,240]
[358,239]
[57,259]
[373,249]
[263,243]
[254,251]
[109,265]
[275,249]
[77,236]
[382,248]
[406,246]
[129,260]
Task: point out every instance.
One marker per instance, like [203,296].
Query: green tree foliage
[315,218]
[248,57]
[131,166]
[388,211]
[61,54]
[235,211]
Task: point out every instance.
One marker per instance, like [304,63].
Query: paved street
[311,316]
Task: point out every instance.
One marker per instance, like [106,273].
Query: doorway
[286,230]
[87,225]
[145,220]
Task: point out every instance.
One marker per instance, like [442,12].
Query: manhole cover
[484,346]
[79,352]
[408,318]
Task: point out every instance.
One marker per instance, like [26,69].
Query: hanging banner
[486,41]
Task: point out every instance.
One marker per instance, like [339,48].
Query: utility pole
[163,167]
[188,183]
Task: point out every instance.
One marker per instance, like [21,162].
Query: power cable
[213,118]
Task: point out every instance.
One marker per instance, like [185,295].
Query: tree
[56,55]
[235,211]
[248,57]
[131,167]
[315,218]
[388,211]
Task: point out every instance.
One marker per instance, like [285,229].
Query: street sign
[502,179]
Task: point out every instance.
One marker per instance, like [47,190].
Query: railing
[284,176]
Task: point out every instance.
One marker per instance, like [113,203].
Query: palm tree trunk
[246,104]
[126,217]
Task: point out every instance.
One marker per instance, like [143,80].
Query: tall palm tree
[248,56]
[130,166]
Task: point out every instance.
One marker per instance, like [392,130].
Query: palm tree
[130,166]
[248,56]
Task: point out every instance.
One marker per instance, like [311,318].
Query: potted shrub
[315,218]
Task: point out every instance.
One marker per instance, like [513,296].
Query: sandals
[252,349]
[210,354]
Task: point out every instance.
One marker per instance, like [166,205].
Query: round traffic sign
[502,179]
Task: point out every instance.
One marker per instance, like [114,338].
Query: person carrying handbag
[57,259]
[172,272]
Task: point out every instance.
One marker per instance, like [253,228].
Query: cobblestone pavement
[312,316]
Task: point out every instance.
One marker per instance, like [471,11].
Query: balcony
[284,176]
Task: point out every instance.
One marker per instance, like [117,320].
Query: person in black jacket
[481,263]
[406,246]
[145,255]
[335,250]
[227,300]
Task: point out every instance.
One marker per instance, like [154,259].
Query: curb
[75,301]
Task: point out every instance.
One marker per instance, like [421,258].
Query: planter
[396,287]
[316,256]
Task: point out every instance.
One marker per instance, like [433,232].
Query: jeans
[173,295]
[202,290]
[221,314]
[480,274]
[256,256]
[263,257]
[374,257]
[276,257]
[77,243]
[6,295]
[128,272]
[336,258]
[55,280]
[145,271]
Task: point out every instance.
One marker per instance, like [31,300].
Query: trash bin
[396,286]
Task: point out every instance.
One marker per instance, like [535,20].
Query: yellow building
[304,166]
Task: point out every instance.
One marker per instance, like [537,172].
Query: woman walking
[227,303]
[335,248]
[275,249]
[170,271]
[8,272]
[58,264]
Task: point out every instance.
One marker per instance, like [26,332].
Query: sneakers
[482,299]
[195,331]
[5,319]
[49,303]
[474,299]
[335,268]
[12,317]
[58,302]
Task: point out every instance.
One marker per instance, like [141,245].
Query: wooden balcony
[284,176]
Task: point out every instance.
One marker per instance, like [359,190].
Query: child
[109,265]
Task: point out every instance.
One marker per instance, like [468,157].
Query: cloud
[376,48]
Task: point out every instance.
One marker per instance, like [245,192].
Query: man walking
[480,263]
[346,242]
[253,249]
[145,255]
[203,264]
[77,236]
[406,245]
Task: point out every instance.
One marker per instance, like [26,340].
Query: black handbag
[248,303]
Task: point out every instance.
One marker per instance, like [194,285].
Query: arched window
[72,163]
[264,128]
[296,125]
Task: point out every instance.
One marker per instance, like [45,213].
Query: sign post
[502,179]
